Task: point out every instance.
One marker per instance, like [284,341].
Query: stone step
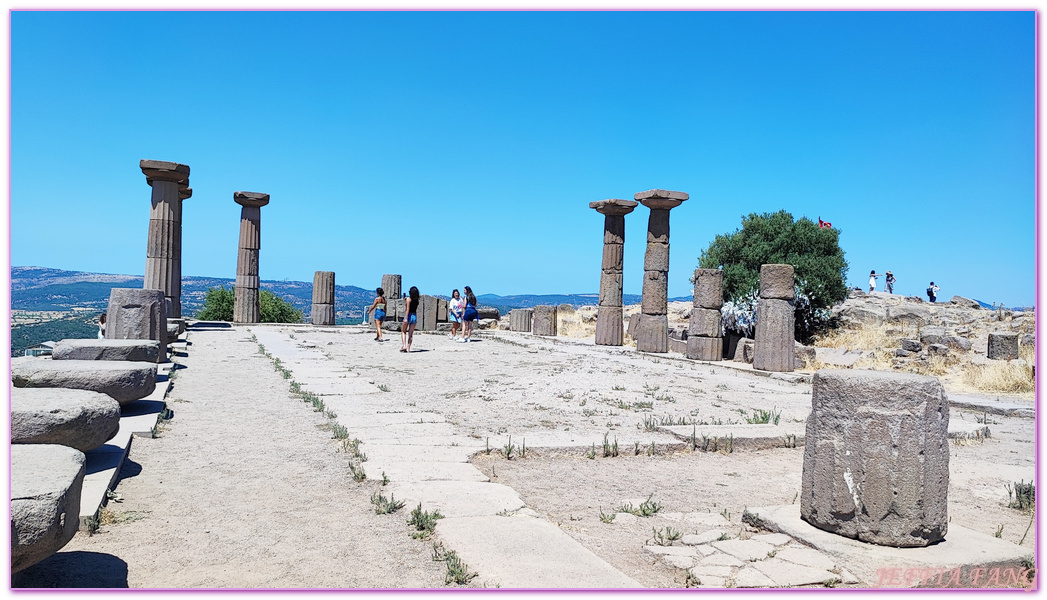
[76,418]
[124,381]
[45,499]
[87,349]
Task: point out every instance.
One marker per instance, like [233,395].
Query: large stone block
[125,382]
[543,320]
[488,312]
[94,349]
[391,285]
[614,231]
[708,288]
[441,310]
[705,322]
[704,348]
[135,314]
[76,418]
[776,282]
[652,333]
[876,457]
[611,288]
[655,292]
[613,257]
[744,351]
[520,319]
[656,258]
[427,313]
[633,325]
[775,336]
[322,314]
[1002,346]
[46,481]
[323,287]
[609,326]
[658,227]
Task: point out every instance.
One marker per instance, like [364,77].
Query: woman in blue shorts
[470,315]
[455,308]
[410,320]
[378,306]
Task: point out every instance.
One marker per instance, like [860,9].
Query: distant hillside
[506,303]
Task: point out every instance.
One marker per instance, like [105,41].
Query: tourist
[455,308]
[872,281]
[469,315]
[889,282]
[378,306]
[932,292]
[101,326]
[410,320]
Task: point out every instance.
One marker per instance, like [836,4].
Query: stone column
[520,319]
[705,329]
[876,457]
[135,314]
[163,255]
[245,304]
[393,288]
[323,298]
[427,311]
[609,312]
[775,345]
[543,320]
[652,330]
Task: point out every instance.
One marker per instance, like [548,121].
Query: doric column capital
[663,199]
[613,207]
[165,171]
[251,199]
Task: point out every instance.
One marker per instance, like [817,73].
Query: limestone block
[609,326]
[46,481]
[391,286]
[1002,346]
[708,288]
[488,312]
[634,320]
[322,314]
[876,457]
[910,345]
[323,287]
[565,309]
[705,322]
[612,257]
[427,313]
[776,282]
[654,300]
[399,309]
[704,348]
[956,342]
[543,320]
[775,336]
[937,350]
[652,333]
[441,310]
[94,349]
[76,418]
[744,351]
[171,332]
[611,288]
[932,335]
[520,319]
[135,314]
[907,314]
[656,258]
[124,381]
[658,227]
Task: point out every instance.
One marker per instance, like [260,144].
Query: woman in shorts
[455,308]
[378,306]
[469,315]
[410,320]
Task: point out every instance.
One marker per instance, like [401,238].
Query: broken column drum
[323,298]
[520,319]
[609,313]
[543,320]
[392,286]
[652,328]
[163,263]
[774,348]
[245,303]
[876,457]
[134,314]
[705,328]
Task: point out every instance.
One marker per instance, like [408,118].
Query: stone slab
[421,470]
[124,381]
[45,495]
[458,498]
[76,418]
[786,574]
[744,550]
[94,349]
[994,405]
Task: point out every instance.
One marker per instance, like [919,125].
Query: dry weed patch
[1003,376]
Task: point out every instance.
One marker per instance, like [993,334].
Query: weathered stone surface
[776,282]
[441,310]
[863,314]
[124,381]
[391,285]
[876,457]
[654,300]
[908,314]
[613,257]
[658,227]
[1002,346]
[804,354]
[427,313]
[251,198]
[910,345]
[705,322]
[520,319]
[956,342]
[172,331]
[932,335]
[614,230]
[323,287]
[245,305]
[76,418]
[775,336]
[614,206]
[1028,339]
[488,312]
[745,351]
[656,258]
[165,170]
[708,288]
[902,353]
[631,326]
[704,348]
[95,349]
[965,302]
[46,481]
[660,199]
[322,314]
[611,288]
[543,320]
[652,333]
[137,315]
[609,326]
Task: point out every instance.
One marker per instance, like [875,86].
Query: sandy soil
[244,489]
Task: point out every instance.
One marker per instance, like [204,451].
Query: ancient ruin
[543,320]
[392,286]
[705,328]
[609,319]
[138,314]
[163,264]
[774,348]
[323,298]
[245,303]
[520,319]
[1003,345]
[652,330]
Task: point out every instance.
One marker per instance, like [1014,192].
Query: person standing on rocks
[889,282]
[469,315]
[101,326]
[932,292]
[378,306]
[872,281]
[410,320]
[454,311]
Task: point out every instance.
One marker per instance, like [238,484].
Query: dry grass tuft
[1003,376]
[868,337]
[573,325]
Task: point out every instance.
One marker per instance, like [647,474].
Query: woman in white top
[872,280]
[455,308]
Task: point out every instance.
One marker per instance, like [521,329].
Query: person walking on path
[455,308]
[932,292]
[872,280]
[378,306]
[889,282]
[410,320]
[469,315]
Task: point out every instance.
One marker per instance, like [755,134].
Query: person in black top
[410,320]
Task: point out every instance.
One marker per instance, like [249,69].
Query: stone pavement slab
[786,574]
[524,552]
[458,498]
[413,471]
[996,405]
[743,437]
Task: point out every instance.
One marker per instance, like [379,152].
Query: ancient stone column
[135,314]
[876,457]
[652,330]
[609,312]
[392,286]
[775,345]
[520,319]
[427,310]
[1002,345]
[705,329]
[543,320]
[245,303]
[323,298]
[163,255]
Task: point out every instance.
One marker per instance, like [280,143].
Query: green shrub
[218,306]
[277,310]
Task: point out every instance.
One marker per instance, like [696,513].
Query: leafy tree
[218,306]
[274,309]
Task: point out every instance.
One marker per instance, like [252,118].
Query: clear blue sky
[463,148]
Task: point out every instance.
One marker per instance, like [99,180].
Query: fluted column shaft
[653,325]
[163,263]
[609,329]
[323,298]
[245,302]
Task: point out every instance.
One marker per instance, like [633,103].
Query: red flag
[824,224]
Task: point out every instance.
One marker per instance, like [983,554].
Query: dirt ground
[245,488]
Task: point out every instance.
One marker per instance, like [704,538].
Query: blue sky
[463,148]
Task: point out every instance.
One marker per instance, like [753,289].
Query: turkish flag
[824,224]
